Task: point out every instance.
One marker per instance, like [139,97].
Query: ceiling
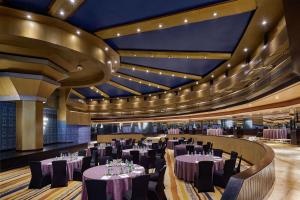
[212,34]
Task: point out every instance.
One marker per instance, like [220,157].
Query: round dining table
[72,163]
[181,149]
[170,144]
[117,185]
[143,152]
[186,166]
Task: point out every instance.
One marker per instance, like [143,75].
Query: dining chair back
[135,156]
[38,180]
[204,179]
[59,176]
[96,189]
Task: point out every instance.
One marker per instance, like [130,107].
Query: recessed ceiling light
[78,32]
[149,95]
[228,65]
[119,76]
[215,14]
[133,69]
[28,16]
[165,92]
[212,76]
[140,82]
[265,46]
[118,34]
[149,84]
[79,68]
[130,79]
[245,49]
[147,71]
[264,22]
[185,20]
[106,48]
[180,88]
[62,13]
[72,1]
[160,73]
[158,87]
[197,82]
[116,62]
[109,62]
[134,55]
[160,25]
[113,70]
[173,75]
[184,77]
[138,30]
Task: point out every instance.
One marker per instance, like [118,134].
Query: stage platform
[13,159]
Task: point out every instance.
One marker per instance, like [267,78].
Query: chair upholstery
[60,176]
[82,152]
[156,188]
[203,180]
[108,151]
[190,149]
[135,156]
[127,157]
[103,159]
[233,155]
[159,164]
[151,158]
[86,163]
[96,189]
[199,143]
[222,177]
[38,180]
[144,161]
[139,188]
[206,148]
[218,152]
[94,153]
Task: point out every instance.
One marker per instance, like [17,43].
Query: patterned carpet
[14,185]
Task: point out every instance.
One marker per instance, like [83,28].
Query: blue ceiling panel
[218,35]
[189,66]
[88,93]
[99,14]
[156,78]
[113,91]
[38,6]
[144,89]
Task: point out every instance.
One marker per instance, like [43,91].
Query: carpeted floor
[14,185]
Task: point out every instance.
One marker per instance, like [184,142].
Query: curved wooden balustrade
[254,183]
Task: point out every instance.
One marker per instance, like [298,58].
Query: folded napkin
[139,168]
[123,175]
[105,177]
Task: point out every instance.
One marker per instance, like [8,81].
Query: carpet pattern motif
[14,185]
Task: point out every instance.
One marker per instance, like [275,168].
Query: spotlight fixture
[28,16]
[133,69]
[116,62]
[264,22]
[185,20]
[184,77]
[79,68]
[112,70]
[109,62]
[228,65]
[160,25]
[118,34]
[78,32]
[61,13]
[147,71]
[245,50]
[173,75]
[160,73]
[138,30]
[180,88]
[197,82]
[215,14]
[212,76]
[106,48]
[72,1]
[119,76]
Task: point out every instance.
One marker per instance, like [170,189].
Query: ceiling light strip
[95,89]
[141,81]
[160,71]
[192,16]
[122,87]
[176,54]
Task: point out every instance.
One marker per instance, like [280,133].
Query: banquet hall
[150,100]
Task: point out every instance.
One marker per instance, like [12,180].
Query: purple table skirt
[71,165]
[186,166]
[116,186]
[181,149]
[275,133]
[170,144]
[101,152]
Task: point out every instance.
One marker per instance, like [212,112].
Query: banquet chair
[94,153]
[127,157]
[135,156]
[190,149]
[180,151]
[233,155]
[60,176]
[203,180]
[118,153]
[159,164]
[86,163]
[154,146]
[151,158]
[190,140]
[139,188]
[96,189]
[222,177]
[238,168]
[156,188]
[145,163]
[38,180]
[218,152]
[108,151]
[206,148]
[104,159]
[199,143]
[82,152]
